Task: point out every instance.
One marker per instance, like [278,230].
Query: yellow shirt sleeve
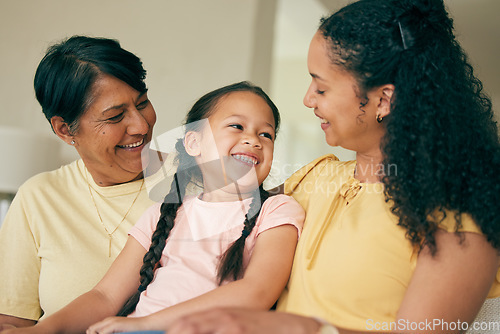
[302,182]
[20,266]
[467,225]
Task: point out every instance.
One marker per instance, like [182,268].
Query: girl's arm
[449,287]
[104,300]
[264,279]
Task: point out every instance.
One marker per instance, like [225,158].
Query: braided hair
[231,263]
[440,133]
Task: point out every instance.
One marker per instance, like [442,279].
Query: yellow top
[352,263]
[53,246]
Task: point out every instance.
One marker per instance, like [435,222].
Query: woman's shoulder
[329,163]
[327,159]
[60,176]
[450,221]
[325,167]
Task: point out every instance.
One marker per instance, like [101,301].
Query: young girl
[232,235]
[406,237]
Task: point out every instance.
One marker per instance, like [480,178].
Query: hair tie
[177,188]
[141,288]
[245,233]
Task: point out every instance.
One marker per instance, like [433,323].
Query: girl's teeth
[246,159]
[323,121]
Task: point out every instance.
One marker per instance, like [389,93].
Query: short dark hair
[66,74]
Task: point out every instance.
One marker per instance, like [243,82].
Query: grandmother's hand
[244,321]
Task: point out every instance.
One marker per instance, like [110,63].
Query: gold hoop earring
[379,118]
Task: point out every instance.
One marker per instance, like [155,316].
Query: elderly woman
[65,227]
[405,238]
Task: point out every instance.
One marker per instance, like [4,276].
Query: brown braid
[168,212]
[231,262]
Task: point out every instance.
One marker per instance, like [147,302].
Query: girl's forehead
[243,104]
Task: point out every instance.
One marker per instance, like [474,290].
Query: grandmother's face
[113,131]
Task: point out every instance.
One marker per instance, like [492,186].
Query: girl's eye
[319,92]
[142,105]
[236,126]
[267,135]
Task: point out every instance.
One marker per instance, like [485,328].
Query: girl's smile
[247,159]
[241,137]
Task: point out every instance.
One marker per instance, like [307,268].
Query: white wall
[192,46]
[301,138]
[188,47]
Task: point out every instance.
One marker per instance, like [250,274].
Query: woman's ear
[61,129]
[192,143]
[385,96]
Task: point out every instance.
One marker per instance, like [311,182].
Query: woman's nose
[138,125]
[309,100]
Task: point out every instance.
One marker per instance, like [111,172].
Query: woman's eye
[319,92]
[142,105]
[236,126]
[116,118]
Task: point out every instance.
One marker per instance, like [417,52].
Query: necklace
[110,234]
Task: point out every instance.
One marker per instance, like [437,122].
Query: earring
[379,118]
[72,142]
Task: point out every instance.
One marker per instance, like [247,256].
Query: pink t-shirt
[202,233]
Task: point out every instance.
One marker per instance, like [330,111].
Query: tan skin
[119,116]
[451,285]
[8,321]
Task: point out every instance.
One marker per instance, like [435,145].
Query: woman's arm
[19,266]
[8,321]
[449,287]
[106,299]
[452,285]
[266,276]
[245,321]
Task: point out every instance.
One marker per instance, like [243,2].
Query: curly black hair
[441,132]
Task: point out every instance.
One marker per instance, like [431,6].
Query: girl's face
[114,130]
[240,140]
[333,96]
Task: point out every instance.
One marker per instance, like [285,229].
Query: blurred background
[190,47]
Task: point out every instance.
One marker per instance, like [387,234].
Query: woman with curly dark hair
[406,238]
